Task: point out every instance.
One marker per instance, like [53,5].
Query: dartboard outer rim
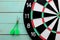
[31,24]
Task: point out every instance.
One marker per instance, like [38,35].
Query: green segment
[35,0]
[46,4]
[36,31]
[31,16]
[53,31]
[15,30]
[45,25]
[58,15]
[31,13]
[43,17]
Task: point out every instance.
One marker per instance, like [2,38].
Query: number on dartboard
[28,4]
[26,15]
[42,19]
[28,25]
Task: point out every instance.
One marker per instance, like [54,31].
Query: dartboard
[42,19]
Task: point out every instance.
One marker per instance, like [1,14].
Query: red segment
[42,37]
[33,5]
[43,20]
[43,9]
[32,24]
[49,29]
[58,32]
[49,0]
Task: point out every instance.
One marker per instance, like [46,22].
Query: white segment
[49,18]
[57,37]
[45,34]
[53,23]
[58,30]
[52,5]
[47,0]
[39,7]
[59,4]
[38,22]
[49,11]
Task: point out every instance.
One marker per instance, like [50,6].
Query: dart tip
[17,20]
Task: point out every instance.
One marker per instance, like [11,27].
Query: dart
[15,30]
[12,31]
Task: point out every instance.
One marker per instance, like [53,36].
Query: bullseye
[42,19]
[58,15]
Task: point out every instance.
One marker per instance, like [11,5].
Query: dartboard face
[42,19]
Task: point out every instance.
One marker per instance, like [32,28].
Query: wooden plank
[11,17]
[8,20]
[6,28]
[10,37]
[9,10]
[12,6]
[12,0]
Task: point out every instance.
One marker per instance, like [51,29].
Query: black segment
[48,15]
[50,8]
[49,22]
[52,35]
[42,2]
[27,20]
[39,15]
[41,28]
[56,25]
[56,3]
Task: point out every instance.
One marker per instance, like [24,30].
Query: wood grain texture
[12,6]
[9,11]
[9,37]
[12,0]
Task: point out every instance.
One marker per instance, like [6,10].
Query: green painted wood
[6,28]
[9,37]
[8,20]
[11,17]
[9,12]
[12,0]
[12,6]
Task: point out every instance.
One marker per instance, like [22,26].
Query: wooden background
[9,11]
